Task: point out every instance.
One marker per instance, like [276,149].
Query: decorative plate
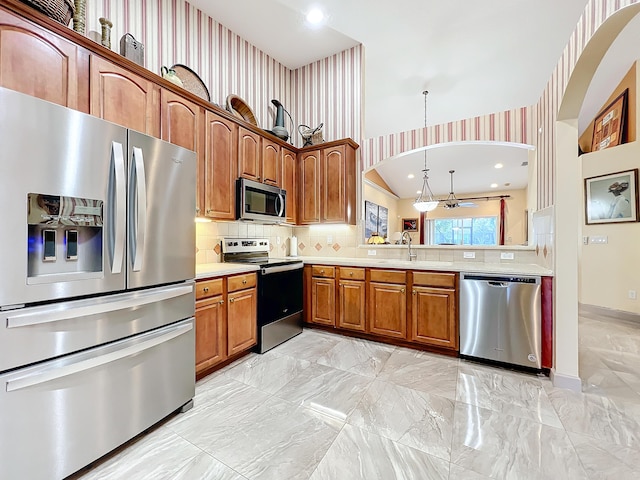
[191,81]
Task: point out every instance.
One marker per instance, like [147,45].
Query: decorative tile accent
[318,247]
[545,251]
[537,250]
[217,248]
[336,246]
[283,247]
[271,247]
[301,246]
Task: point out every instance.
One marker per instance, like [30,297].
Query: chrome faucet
[407,237]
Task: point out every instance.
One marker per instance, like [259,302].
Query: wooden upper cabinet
[122,97]
[289,183]
[249,155]
[333,182]
[37,62]
[221,156]
[271,164]
[327,186]
[309,188]
[182,123]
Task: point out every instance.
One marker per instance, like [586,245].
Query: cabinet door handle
[244,281]
[231,300]
[351,274]
[205,289]
[414,292]
[198,211]
[221,302]
[402,290]
[322,272]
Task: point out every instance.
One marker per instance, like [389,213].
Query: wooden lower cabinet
[211,335]
[351,305]
[323,305]
[434,320]
[226,318]
[242,324]
[387,309]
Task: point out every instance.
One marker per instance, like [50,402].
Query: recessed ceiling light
[411,175]
[315,16]
[494,185]
[498,165]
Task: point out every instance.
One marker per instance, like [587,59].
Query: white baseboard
[565,381]
[597,311]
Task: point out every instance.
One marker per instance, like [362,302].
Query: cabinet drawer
[388,276]
[241,282]
[348,273]
[208,288]
[434,279]
[323,271]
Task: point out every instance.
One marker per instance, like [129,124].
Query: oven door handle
[281,268]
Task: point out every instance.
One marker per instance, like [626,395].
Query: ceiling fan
[451,201]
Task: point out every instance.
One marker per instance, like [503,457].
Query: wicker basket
[59,10]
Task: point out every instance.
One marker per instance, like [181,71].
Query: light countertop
[473,267]
[212,270]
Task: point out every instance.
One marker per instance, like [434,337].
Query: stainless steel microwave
[259,202]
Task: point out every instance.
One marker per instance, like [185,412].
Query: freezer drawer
[61,415]
[33,334]
[500,319]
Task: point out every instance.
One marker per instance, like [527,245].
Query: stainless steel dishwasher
[500,318]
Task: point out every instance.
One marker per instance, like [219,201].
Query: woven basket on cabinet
[59,10]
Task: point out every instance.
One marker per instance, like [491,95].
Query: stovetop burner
[251,250]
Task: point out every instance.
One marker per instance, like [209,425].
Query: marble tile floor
[327,407]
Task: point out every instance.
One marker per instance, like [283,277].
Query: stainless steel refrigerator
[97,261]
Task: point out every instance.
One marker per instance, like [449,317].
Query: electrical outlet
[469,255]
[329,240]
[372,252]
[599,239]
[507,256]
[278,240]
[632,294]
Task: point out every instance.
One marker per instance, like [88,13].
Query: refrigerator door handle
[117,153]
[57,313]
[56,373]
[138,209]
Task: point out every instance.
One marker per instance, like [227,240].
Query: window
[464,231]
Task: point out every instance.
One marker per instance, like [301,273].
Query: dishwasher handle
[492,283]
[495,280]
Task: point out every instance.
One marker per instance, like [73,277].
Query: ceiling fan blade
[467,204]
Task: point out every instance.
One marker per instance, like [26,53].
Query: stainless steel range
[279,289]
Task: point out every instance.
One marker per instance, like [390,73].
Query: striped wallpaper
[510,126]
[173,31]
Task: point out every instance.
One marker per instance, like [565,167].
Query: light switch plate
[371,252]
[598,239]
[507,256]
[469,254]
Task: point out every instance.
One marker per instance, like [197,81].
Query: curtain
[502,225]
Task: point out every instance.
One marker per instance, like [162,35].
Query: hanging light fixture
[425,201]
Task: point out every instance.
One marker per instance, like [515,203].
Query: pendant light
[425,201]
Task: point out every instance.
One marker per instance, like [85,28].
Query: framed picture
[383,221]
[612,198]
[370,218]
[409,224]
[609,126]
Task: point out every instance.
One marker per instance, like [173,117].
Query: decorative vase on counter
[80,16]
[106,32]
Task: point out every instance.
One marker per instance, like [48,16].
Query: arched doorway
[569,199]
